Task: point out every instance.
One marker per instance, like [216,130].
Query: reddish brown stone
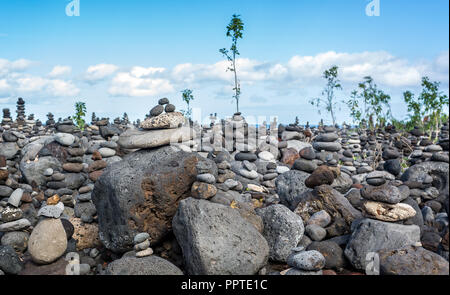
[201,190]
[95,175]
[2,161]
[56,268]
[26,197]
[289,155]
[73,167]
[96,156]
[57,151]
[97,165]
[307,133]
[322,175]
[329,272]
[40,197]
[4,174]
[357,185]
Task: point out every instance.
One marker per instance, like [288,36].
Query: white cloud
[99,72]
[33,85]
[7,67]
[383,67]
[14,81]
[140,72]
[139,82]
[4,87]
[59,71]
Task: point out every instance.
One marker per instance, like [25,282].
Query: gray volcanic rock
[383,193]
[283,230]
[34,171]
[327,146]
[291,186]
[8,149]
[149,265]
[141,194]
[216,240]
[439,171]
[10,262]
[372,235]
[412,261]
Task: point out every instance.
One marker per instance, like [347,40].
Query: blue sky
[124,55]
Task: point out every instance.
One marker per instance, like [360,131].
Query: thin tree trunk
[438,118]
[235,82]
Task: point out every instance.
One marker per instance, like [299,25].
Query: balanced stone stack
[444,137]
[327,141]
[95,169]
[10,146]
[307,161]
[14,232]
[6,117]
[158,129]
[66,126]
[392,158]
[352,150]
[383,199]
[142,245]
[20,112]
[50,123]
[204,187]
[245,169]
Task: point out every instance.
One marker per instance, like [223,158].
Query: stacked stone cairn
[6,117]
[142,245]
[159,129]
[20,112]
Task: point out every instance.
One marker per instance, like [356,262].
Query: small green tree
[415,110]
[80,112]
[433,101]
[187,96]
[333,83]
[355,110]
[376,103]
[234,30]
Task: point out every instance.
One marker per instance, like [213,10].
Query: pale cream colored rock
[143,253]
[256,188]
[137,139]
[164,121]
[48,241]
[388,212]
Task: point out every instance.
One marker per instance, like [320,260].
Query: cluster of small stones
[318,198]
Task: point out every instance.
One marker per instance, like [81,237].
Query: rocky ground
[163,196]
